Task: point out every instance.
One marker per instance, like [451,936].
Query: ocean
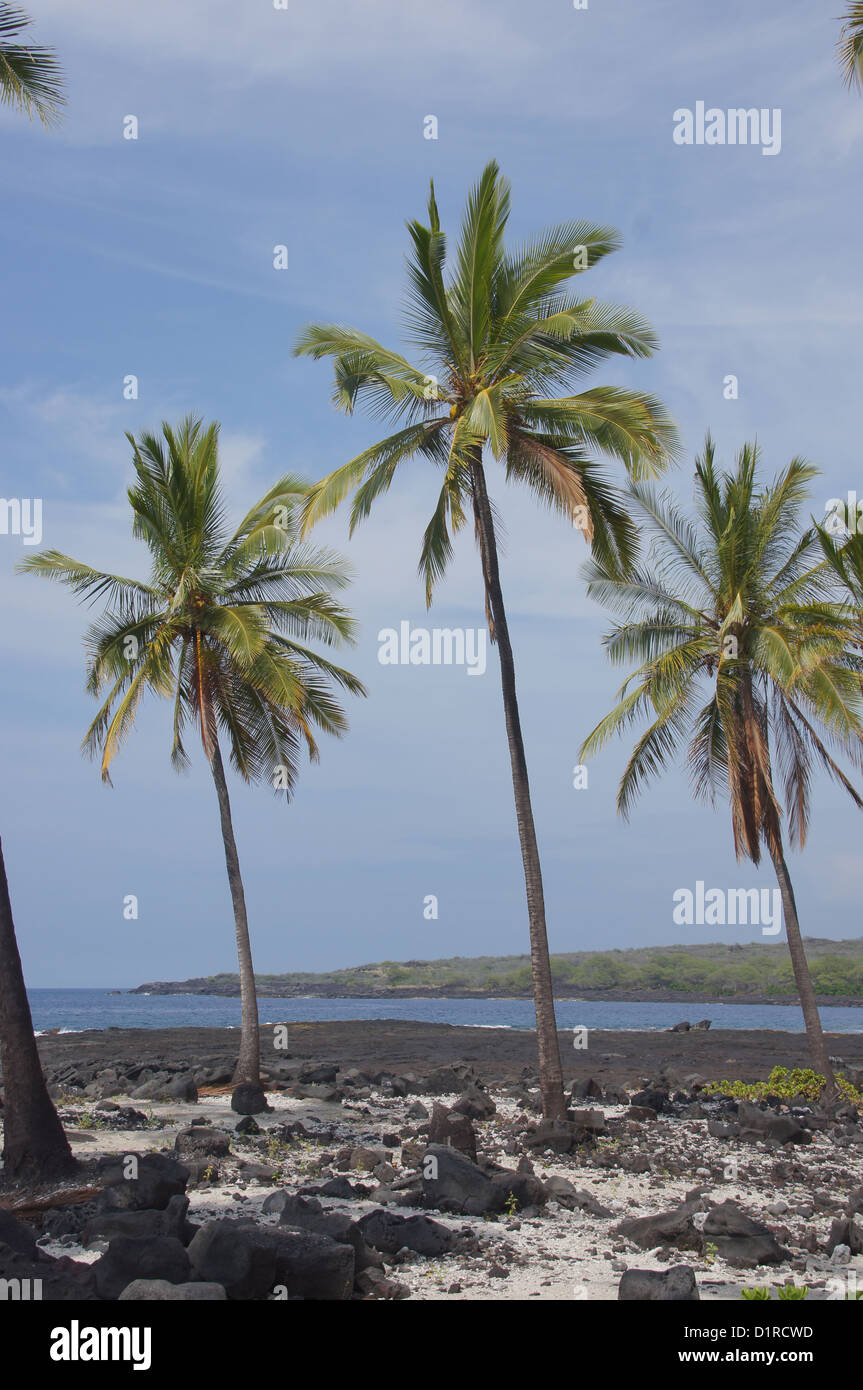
[74,1010]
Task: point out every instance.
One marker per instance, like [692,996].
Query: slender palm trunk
[34,1145]
[550,1074]
[249,1062]
[803,980]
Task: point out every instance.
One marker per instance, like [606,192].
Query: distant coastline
[599,996]
[757,972]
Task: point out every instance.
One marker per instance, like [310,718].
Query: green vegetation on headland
[714,971]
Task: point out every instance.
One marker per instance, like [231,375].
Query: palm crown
[221,627]
[738,603]
[500,335]
[31,79]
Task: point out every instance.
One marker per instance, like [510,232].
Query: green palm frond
[850,45]
[707,755]
[677,543]
[89,583]
[479,259]
[31,78]
[377,463]
[653,752]
[448,517]
[430,317]
[534,274]
[628,425]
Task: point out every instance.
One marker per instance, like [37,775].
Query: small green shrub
[785,1292]
[786,1084]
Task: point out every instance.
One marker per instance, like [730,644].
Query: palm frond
[31,78]
[850,45]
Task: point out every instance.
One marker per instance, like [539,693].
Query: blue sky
[154,257]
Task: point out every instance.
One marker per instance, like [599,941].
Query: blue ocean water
[77,1009]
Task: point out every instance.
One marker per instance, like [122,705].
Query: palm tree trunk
[550,1073]
[803,980]
[34,1145]
[249,1062]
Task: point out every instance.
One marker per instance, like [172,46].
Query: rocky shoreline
[401,1160]
[615,1057]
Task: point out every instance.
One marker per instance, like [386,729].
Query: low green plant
[276,1148]
[787,1085]
[786,1293]
[91,1122]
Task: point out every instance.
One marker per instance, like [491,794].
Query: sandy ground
[557,1254]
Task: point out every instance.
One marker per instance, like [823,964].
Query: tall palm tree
[34,1145]
[31,78]
[220,629]
[499,335]
[850,45]
[737,605]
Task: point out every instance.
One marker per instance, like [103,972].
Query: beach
[398,1160]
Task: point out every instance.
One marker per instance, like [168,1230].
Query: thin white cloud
[244,63]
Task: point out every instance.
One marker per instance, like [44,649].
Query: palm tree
[499,336]
[850,45]
[31,79]
[737,604]
[220,629]
[34,1145]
